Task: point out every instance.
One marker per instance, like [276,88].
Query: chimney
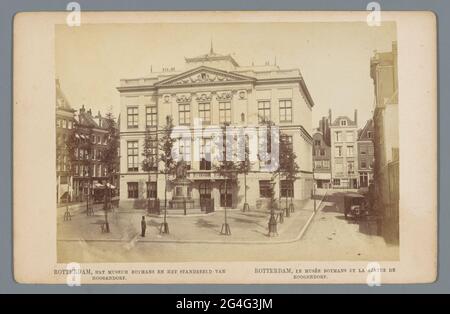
[89,112]
[98,114]
[82,110]
[356,116]
[329,116]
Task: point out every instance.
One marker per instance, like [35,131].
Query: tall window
[151,116]
[338,151]
[132,154]
[326,163]
[286,188]
[153,152]
[349,136]
[133,190]
[286,141]
[338,136]
[205,190]
[184,146]
[225,112]
[151,190]
[363,165]
[263,111]
[265,188]
[184,114]
[349,151]
[350,167]
[205,154]
[204,112]
[132,117]
[285,110]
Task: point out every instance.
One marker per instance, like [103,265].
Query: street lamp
[225,226]
[89,207]
[272,220]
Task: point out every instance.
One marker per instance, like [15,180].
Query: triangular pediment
[204,75]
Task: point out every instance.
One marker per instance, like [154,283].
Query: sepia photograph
[217,142]
[225,147]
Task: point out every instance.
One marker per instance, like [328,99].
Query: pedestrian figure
[143,226]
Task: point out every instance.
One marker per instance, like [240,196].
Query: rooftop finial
[211,50]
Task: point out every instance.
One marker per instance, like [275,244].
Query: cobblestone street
[328,237]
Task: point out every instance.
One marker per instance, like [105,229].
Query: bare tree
[227,169]
[109,158]
[289,168]
[169,163]
[244,165]
[150,162]
[264,154]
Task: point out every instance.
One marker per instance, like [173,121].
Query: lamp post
[272,220]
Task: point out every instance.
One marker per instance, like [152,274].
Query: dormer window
[343,122]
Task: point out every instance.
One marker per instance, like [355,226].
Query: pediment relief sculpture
[227,95]
[183,98]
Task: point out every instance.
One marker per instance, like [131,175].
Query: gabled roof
[86,119]
[61,99]
[204,75]
[336,121]
[363,135]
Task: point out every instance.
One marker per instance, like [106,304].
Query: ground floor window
[151,190]
[132,190]
[363,180]
[287,188]
[265,188]
[205,190]
[337,182]
[226,195]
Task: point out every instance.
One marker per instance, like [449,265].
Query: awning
[77,136]
[110,186]
[322,176]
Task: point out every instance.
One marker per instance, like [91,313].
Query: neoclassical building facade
[214,89]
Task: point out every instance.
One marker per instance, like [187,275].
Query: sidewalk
[248,227]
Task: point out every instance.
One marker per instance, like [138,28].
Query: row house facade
[213,90]
[322,155]
[384,71]
[366,154]
[91,139]
[344,157]
[65,123]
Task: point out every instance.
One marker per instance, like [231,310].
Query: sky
[334,58]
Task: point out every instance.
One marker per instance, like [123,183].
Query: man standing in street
[143,226]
